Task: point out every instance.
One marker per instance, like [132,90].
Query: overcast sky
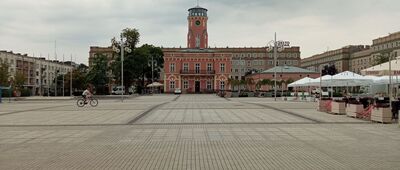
[32,26]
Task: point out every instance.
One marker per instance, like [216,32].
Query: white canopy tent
[383,69]
[385,80]
[301,83]
[348,78]
[155,84]
[316,81]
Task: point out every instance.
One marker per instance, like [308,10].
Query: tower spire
[197,2]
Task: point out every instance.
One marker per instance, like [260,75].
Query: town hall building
[198,68]
[201,69]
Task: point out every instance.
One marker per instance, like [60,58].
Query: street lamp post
[124,47]
[278,46]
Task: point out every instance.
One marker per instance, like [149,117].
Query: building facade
[39,73]
[199,68]
[356,58]
[339,57]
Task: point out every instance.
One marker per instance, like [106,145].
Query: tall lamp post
[124,46]
[277,46]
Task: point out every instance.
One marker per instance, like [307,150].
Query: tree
[19,79]
[4,74]
[97,74]
[329,70]
[79,81]
[289,81]
[137,66]
[233,83]
[382,58]
[249,82]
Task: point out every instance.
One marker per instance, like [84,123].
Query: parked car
[178,91]
[118,90]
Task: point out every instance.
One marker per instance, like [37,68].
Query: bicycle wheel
[80,102]
[94,102]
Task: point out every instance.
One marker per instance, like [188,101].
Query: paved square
[190,132]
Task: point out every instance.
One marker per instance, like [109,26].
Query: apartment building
[39,73]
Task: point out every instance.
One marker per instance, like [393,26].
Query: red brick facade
[196,70]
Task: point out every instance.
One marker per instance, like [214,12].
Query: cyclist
[87,93]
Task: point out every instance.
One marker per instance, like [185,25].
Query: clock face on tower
[198,23]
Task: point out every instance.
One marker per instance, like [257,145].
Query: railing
[197,71]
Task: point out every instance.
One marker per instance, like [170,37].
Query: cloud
[314,25]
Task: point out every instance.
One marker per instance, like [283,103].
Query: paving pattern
[191,132]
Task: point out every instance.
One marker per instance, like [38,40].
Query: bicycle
[92,101]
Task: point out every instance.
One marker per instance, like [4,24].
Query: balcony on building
[197,72]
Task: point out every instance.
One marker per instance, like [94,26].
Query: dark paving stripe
[208,108]
[285,111]
[183,124]
[176,98]
[21,111]
[145,113]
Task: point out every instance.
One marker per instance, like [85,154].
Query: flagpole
[70,79]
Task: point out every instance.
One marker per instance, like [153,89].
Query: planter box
[383,115]
[353,110]
[324,105]
[338,108]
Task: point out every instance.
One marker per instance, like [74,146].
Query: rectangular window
[172,85]
[185,84]
[222,85]
[209,85]
[172,67]
[222,67]
[186,67]
[197,68]
[209,67]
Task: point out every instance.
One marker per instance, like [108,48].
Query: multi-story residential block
[39,73]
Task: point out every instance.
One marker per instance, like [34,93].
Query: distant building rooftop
[287,69]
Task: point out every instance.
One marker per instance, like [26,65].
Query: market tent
[301,83]
[385,80]
[348,78]
[155,84]
[316,81]
[383,69]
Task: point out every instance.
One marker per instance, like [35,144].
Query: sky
[70,27]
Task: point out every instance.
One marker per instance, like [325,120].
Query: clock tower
[197,23]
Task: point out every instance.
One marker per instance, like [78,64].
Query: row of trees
[271,83]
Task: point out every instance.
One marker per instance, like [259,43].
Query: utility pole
[275,52]
[122,69]
[63,76]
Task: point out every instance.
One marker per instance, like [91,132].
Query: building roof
[286,69]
